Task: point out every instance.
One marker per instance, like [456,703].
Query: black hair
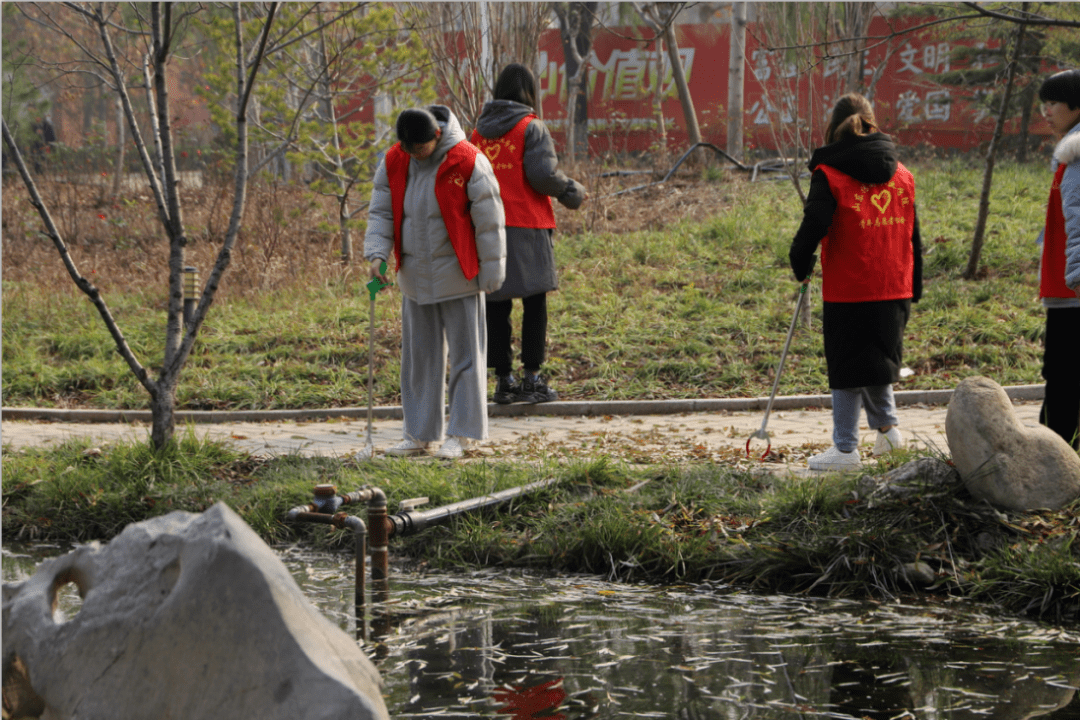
[1062,87]
[416,126]
[516,82]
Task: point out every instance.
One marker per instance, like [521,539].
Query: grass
[657,300]
[660,523]
[694,306]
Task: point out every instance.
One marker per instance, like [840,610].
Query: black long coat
[864,342]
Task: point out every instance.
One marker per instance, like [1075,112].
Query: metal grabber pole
[761,434]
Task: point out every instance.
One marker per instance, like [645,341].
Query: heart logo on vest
[492,150]
[881,200]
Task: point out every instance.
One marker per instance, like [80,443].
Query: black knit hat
[516,82]
[416,126]
[1062,87]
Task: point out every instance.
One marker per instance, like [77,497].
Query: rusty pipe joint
[343,520]
[297,511]
[373,496]
[326,500]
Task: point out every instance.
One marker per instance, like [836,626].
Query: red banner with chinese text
[623,78]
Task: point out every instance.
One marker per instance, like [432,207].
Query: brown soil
[632,203]
[287,235]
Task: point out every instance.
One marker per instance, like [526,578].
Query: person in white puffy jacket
[1059,270]
[436,216]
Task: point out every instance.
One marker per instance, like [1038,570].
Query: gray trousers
[846,404]
[428,334]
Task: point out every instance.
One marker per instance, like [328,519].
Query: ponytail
[852,116]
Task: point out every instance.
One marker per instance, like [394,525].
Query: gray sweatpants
[428,334]
[846,404]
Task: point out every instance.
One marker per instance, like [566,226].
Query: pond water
[509,644]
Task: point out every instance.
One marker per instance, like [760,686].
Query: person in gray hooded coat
[435,209]
[521,150]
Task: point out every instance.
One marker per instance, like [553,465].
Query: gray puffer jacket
[1068,152]
[430,271]
[530,254]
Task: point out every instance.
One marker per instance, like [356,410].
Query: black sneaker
[507,391]
[534,389]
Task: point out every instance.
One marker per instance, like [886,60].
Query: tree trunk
[163,417]
[687,102]
[736,80]
[576,20]
[346,236]
[857,17]
[658,95]
[121,145]
[991,154]
[1027,98]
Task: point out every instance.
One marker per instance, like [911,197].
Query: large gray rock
[1001,461]
[183,616]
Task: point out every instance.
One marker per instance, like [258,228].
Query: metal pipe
[411,522]
[374,537]
[675,167]
[360,531]
[379,535]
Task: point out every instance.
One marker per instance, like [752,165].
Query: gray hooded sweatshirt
[430,271]
[530,260]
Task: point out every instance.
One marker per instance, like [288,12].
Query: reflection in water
[527,703]
[517,646]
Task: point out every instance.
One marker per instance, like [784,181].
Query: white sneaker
[888,441]
[407,448]
[834,459]
[455,447]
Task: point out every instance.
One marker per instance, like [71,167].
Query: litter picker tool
[761,434]
[373,288]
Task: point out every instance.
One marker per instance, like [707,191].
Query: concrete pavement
[655,431]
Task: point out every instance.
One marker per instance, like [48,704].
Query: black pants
[533,334]
[1061,404]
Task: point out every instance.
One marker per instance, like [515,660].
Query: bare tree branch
[241,114]
[81,282]
[881,39]
[239,195]
[1022,16]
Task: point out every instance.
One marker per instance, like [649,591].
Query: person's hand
[373,271]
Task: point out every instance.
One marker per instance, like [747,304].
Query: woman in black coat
[861,210]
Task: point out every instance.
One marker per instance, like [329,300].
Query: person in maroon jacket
[861,210]
[522,152]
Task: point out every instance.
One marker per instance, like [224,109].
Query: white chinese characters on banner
[625,75]
[632,74]
[764,65]
[934,58]
[935,105]
[761,110]
[938,105]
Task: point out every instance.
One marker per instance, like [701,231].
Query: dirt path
[718,437]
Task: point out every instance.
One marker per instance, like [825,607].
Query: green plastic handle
[376,284]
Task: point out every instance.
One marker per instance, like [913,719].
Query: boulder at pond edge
[1008,464]
[183,616]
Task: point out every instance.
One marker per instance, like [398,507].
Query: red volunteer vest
[867,255]
[525,208]
[451,181]
[1052,282]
